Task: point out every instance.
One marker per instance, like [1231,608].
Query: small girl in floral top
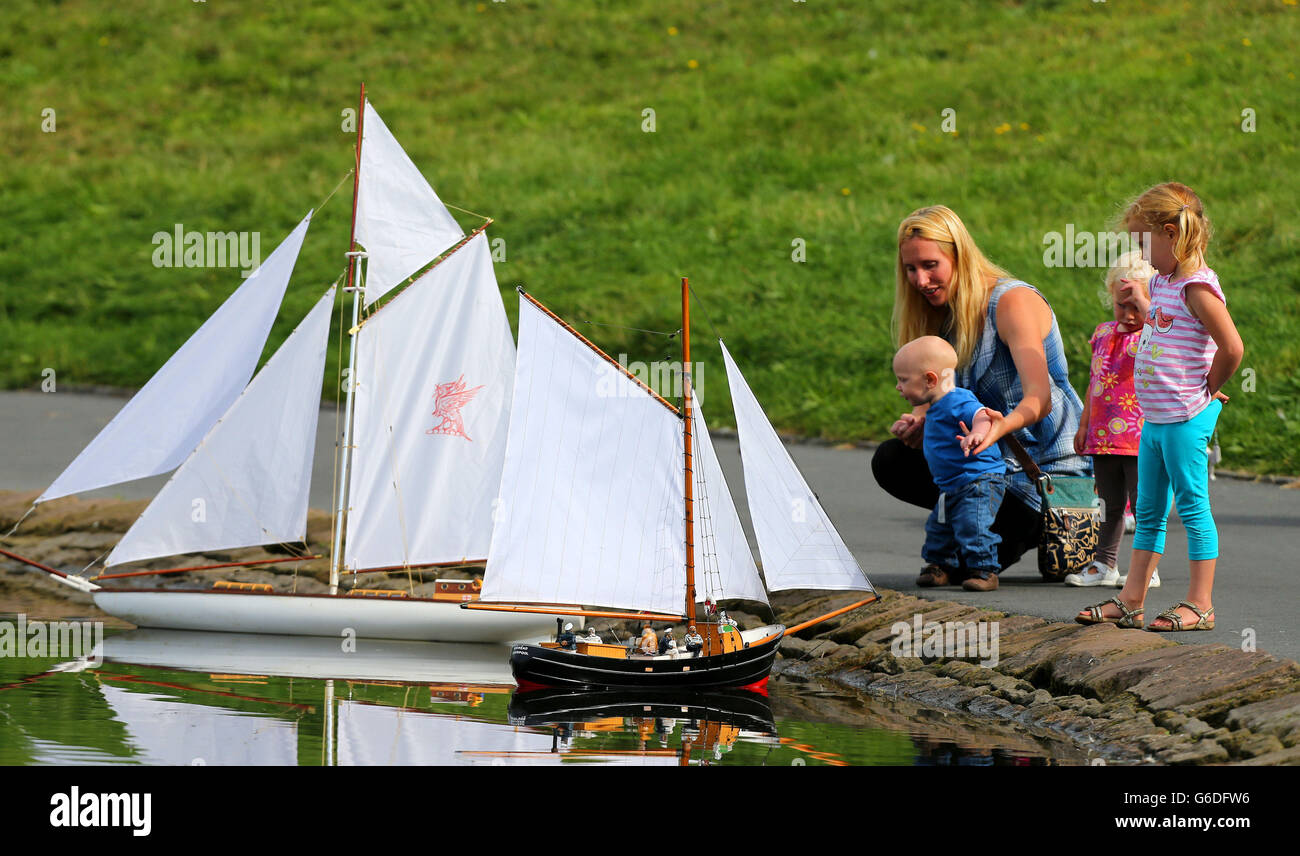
[1111,426]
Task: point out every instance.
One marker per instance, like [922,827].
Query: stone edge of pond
[1125,695]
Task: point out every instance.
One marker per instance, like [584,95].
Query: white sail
[400,220]
[375,734]
[798,543]
[163,422]
[592,494]
[722,555]
[165,731]
[246,483]
[435,375]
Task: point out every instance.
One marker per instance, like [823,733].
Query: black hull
[537,667]
[739,708]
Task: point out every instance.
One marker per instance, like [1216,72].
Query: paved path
[1259,524]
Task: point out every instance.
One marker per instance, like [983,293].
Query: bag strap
[1041,479]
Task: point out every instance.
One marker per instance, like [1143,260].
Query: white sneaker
[1097,574]
[1155,580]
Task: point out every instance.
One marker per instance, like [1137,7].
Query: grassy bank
[774,122]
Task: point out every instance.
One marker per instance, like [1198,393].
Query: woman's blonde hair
[1129,266]
[1174,204]
[967,291]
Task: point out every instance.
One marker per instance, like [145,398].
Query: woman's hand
[910,428]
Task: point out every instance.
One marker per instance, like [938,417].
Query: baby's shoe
[1095,574]
[1155,580]
[1130,522]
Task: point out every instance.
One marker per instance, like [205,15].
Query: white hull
[322,615]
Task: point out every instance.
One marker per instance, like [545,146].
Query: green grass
[817,120]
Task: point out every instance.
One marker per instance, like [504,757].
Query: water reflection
[181,698]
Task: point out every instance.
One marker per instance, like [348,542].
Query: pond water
[152,697]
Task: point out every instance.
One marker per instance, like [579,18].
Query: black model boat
[597,466]
[737,708]
[746,666]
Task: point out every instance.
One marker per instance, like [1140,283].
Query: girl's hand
[910,428]
[1219,396]
[1130,292]
[1081,439]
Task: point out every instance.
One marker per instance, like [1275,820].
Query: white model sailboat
[606,502]
[424,436]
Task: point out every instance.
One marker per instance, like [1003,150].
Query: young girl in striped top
[1188,350]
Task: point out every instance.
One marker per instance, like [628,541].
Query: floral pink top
[1114,416]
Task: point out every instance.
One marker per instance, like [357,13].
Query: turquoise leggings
[1172,457]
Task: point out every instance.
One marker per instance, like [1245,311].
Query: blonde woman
[1009,353]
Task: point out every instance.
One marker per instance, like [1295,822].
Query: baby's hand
[981,434]
[910,429]
[970,438]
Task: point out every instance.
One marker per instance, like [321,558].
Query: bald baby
[925,368]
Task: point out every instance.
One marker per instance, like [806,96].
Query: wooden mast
[690,475]
[336,556]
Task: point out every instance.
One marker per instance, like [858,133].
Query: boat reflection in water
[166,697]
[671,727]
[181,697]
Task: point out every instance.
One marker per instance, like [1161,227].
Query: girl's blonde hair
[968,289]
[1178,205]
[1129,266]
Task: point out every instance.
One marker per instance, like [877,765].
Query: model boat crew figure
[598,472]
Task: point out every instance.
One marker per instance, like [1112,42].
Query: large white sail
[435,374]
[246,483]
[722,555]
[798,543]
[592,494]
[400,220]
[164,421]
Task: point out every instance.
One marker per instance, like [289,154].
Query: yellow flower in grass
[1003,128]
[672,31]
[844,191]
[694,63]
[1024,126]
[918,127]
[1245,43]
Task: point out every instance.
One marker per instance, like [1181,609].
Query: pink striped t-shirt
[1174,351]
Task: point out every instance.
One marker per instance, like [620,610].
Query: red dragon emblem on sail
[448,399]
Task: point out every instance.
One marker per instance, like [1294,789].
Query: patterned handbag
[1071,518]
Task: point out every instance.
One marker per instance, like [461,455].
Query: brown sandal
[1128,618]
[1204,619]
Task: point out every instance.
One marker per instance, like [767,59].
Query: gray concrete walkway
[1259,524]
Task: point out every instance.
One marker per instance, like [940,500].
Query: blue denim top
[992,376]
